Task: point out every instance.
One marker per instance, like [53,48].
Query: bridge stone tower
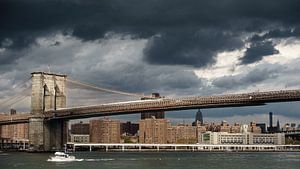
[48,93]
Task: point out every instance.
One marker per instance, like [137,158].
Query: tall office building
[271,128]
[278,126]
[156,114]
[199,118]
[270,119]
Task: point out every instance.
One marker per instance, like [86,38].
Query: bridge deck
[18,118]
[246,99]
[165,104]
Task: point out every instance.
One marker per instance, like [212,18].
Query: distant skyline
[177,48]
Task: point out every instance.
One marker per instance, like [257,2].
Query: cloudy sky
[178,48]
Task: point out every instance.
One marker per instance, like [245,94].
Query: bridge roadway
[165,104]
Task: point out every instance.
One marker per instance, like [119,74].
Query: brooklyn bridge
[49,113]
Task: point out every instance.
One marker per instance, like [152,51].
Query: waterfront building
[224,127]
[212,127]
[171,135]
[276,138]
[129,129]
[105,131]
[293,125]
[153,131]
[245,138]
[262,127]
[80,138]
[182,134]
[200,130]
[254,128]
[80,128]
[244,128]
[236,128]
[15,132]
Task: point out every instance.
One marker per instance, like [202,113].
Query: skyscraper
[278,126]
[199,118]
[270,120]
[271,128]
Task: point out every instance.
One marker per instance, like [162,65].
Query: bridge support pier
[47,135]
[36,134]
[58,132]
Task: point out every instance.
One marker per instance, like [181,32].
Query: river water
[155,160]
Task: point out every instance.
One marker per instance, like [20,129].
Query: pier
[178,147]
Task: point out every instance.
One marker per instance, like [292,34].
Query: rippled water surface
[152,160]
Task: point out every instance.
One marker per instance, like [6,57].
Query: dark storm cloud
[189,47]
[165,21]
[262,45]
[238,81]
[278,33]
[257,51]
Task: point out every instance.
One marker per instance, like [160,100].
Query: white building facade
[245,138]
[80,138]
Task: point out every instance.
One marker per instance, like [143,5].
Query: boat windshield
[61,154]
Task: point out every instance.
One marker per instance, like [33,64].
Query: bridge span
[202,102]
[165,104]
[47,128]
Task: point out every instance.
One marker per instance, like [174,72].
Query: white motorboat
[62,157]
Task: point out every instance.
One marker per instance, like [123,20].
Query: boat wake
[59,160]
[101,159]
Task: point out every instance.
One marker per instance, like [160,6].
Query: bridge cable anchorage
[93,87]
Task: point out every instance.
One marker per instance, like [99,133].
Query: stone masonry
[48,93]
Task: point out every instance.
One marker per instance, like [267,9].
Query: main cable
[90,86]
[12,100]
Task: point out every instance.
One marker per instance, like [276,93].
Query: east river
[153,160]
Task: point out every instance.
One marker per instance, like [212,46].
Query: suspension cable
[15,98]
[21,84]
[19,99]
[104,89]
[7,101]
